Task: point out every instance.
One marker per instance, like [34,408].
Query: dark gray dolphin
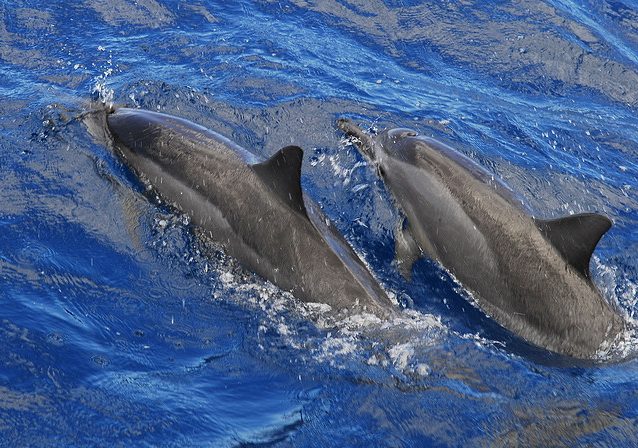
[254,208]
[531,275]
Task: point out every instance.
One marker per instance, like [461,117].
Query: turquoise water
[121,327]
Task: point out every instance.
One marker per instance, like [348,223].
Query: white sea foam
[339,339]
[622,294]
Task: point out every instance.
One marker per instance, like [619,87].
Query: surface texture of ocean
[120,327]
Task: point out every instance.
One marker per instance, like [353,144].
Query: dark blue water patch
[13,83]
[117,348]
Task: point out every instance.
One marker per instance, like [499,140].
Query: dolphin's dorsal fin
[576,237]
[282,174]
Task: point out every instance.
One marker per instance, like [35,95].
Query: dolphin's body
[531,275]
[254,208]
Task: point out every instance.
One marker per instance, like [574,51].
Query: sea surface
[121,327]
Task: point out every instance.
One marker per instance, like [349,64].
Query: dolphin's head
[372,147]
[394,144]
[378,149]
[394,140]
[360,138]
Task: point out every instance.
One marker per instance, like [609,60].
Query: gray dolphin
[254,208]
[531,275]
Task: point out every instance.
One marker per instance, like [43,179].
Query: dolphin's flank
[531,275]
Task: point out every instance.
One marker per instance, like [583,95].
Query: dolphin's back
[141,129]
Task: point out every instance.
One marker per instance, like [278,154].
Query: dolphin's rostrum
[254,208]
[531,275]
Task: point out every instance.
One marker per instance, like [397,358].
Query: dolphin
[254,208]
[531,275]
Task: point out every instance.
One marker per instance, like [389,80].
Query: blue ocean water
[121,327]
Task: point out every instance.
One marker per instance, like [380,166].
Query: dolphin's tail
[361,139]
